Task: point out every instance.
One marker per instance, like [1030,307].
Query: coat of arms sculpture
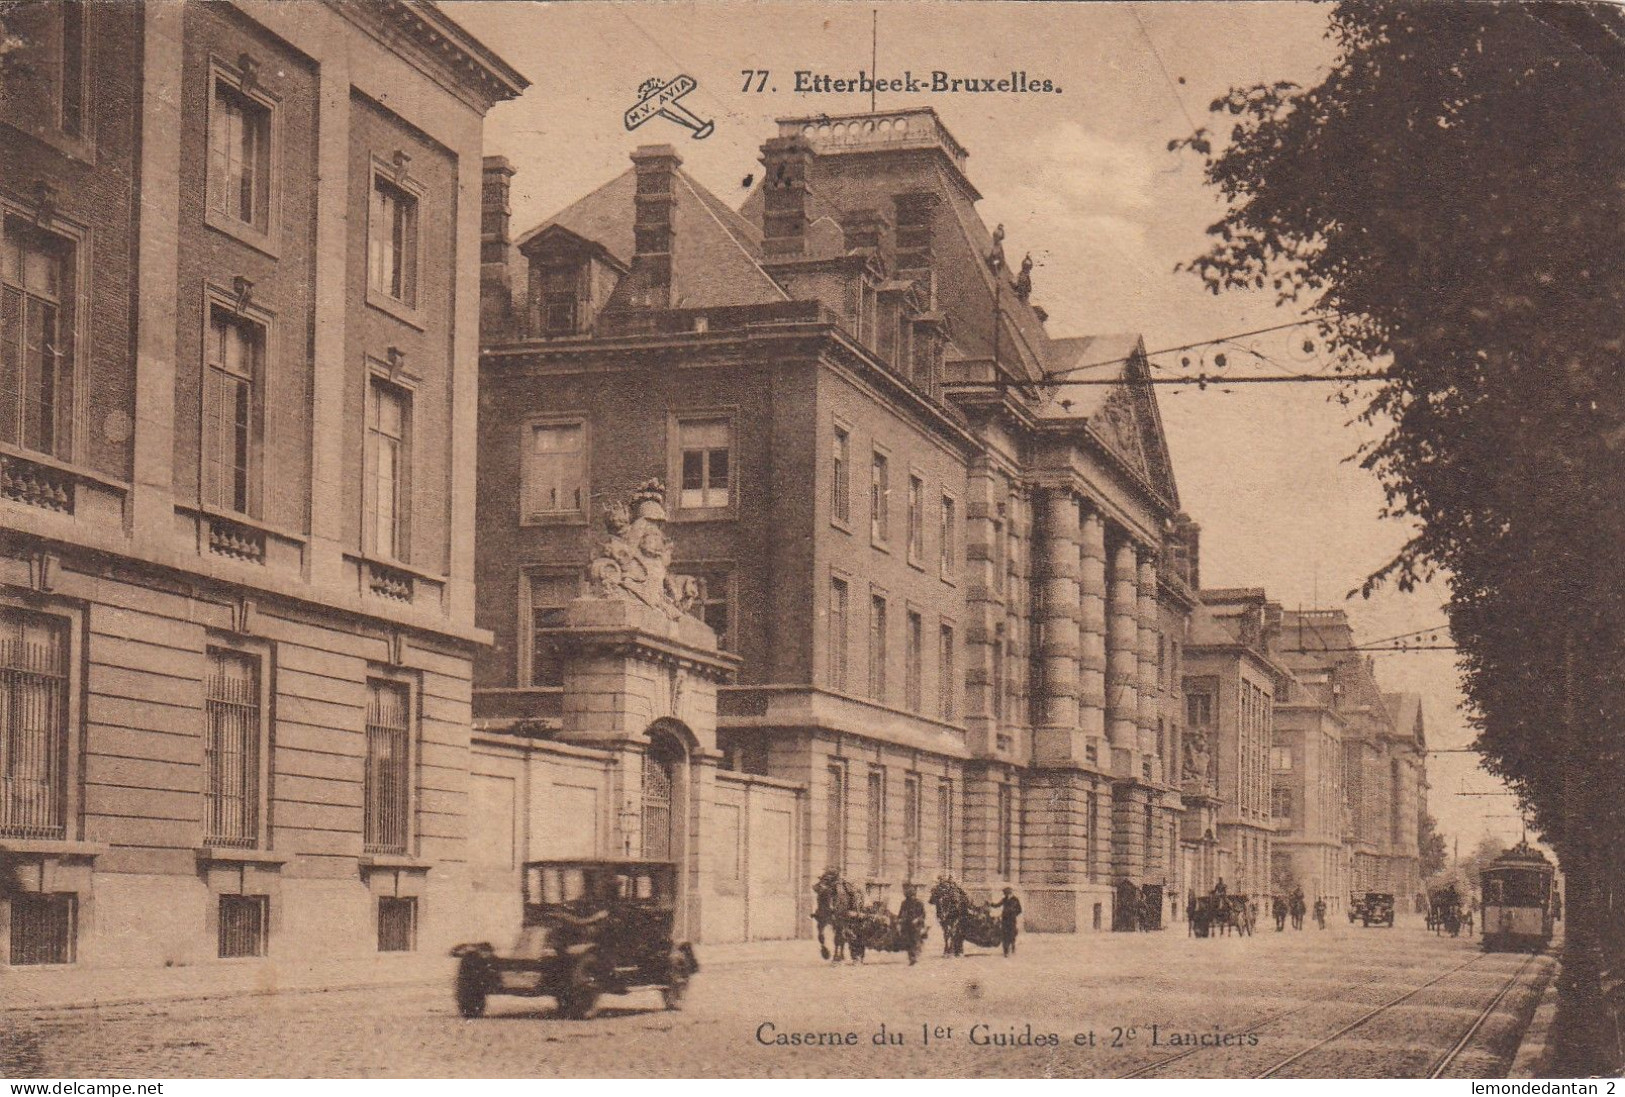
[634,564]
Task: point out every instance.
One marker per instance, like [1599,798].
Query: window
[561,300]
[236,356]
[45,73]
[947,685]
[555,470]
[879,498]
[1281,759]
[876,829]
[716,605]
[397,924]
[838,617]
[945,824]
[911,827]
[998,680]
[840,502]
[37,290]
[1007,833]
[44,927]
[548,594]
[389,457]
[1162,660]
[239,170]
[1281,803]
[392,242]
[231,750]
[916,520]
[998,557]
[948,538]
[387,788]
[245,923]
[914,669]
[33,725]
[1199,710]
[835,819]
[1091,807]
[877,647]
[704,447]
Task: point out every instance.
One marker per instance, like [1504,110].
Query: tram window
[1492,892]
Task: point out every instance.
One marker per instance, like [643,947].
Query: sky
[1082,179]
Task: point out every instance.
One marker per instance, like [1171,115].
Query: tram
[1517,891]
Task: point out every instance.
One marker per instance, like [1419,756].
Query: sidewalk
[57,988]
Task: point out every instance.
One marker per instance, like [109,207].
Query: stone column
[1149,692]
[1123,660]
[1060,652]
[1092,633]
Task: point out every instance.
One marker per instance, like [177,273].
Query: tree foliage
[1449,203]
[1430,847]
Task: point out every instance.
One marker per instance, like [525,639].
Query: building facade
[237,405]
[1232,678]
[945,570]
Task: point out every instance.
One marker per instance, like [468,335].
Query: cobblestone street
[1143,997]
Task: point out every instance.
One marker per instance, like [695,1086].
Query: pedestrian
[911,921]
[1320,911]
[1278,908]
[1010,911]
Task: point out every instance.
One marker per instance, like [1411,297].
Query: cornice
[423,34]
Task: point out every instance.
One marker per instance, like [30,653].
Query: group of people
[872,925]
[1293,906]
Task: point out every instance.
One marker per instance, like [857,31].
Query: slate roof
[717,258]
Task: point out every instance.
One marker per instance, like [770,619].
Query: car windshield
[559,885]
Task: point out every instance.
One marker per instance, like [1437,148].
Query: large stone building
[237,405]
[951,578]
[1336,709]
[1232,680]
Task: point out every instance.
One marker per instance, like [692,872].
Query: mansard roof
[717,258]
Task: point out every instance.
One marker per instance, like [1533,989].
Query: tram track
[1370,1015]
[1444,1063]
[1253,1027]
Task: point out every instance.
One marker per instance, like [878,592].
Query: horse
[1298,909]
[951,904]
[836,899]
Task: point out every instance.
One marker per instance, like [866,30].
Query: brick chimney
[784,197]
[866,230]
[1187,542]
[654,227]
[496,247]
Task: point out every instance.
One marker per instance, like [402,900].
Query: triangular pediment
[1129,424]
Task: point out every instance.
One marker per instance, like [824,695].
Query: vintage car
[589,928]
[1376,909]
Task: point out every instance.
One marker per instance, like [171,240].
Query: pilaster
[1150,692]
[1123,660]
[1092,633]
[1059,738]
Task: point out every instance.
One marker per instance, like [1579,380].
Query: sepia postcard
[771,540]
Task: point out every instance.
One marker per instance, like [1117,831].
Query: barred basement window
[876,830]
[43,928]
[1007,833]
[911,827]
[387,791]
[835,819]
[245,924]
[33,725]
[231,751]
[397,924]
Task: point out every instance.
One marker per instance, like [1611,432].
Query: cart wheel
[579,999]
[471,987]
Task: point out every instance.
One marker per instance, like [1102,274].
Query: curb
[1530,1061]
[201,995]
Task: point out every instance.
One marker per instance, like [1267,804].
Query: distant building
[1384,752]
[946,569]
[238,311]
[1231,680]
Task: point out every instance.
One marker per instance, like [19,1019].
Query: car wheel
[580,997]
[471,987]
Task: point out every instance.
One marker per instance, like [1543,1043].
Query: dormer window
[561,300]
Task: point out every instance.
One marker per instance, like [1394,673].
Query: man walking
[911,920]
[1010,911]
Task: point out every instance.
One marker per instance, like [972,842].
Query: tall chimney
[784,196]
[654,226]
[496,246]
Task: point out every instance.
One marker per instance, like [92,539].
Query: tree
[1430,848]
[1447,202]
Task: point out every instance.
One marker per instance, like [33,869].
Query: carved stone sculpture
[634,564]
[1196,762]
[1024,280]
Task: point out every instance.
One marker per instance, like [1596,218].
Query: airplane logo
[663,99]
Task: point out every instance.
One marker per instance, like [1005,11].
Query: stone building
[237,404]
[1383,755]
[1232,677]
[946,571]
[1306,790]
